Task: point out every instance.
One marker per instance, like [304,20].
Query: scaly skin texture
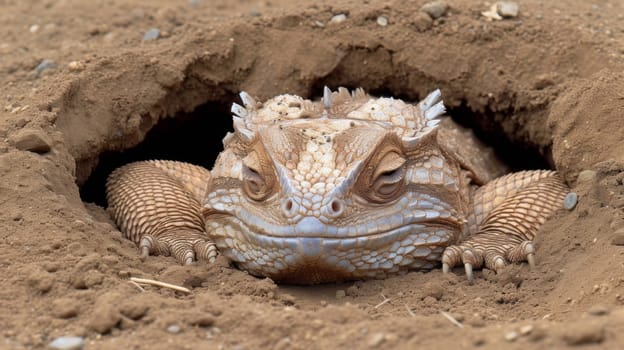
[349,187]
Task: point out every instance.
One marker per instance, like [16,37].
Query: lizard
[347,187]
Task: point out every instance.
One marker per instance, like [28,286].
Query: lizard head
[348,187]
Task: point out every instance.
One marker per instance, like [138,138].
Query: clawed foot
[492,250]
[185,246]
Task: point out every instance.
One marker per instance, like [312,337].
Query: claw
[499,264]
[469,273]
[146,245]
[531,260]
[445,268]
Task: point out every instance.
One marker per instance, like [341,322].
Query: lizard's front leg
[506,214]
[156,204]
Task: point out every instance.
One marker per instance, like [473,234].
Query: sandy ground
[545,88]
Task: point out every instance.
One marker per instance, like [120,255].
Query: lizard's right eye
[254,184]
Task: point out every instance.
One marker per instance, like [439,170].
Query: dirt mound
[89,86]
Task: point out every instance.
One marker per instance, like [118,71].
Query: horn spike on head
[435,111]
[327,95]
[239,110]
[430,100]
[248,101]
[241,129]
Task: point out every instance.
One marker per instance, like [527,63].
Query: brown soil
[545,87]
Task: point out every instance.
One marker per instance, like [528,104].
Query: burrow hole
[196,138]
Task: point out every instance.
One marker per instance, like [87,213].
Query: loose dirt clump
[88,86]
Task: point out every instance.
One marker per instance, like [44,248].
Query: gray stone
[44,65]
[151,34]
[33,140]
[570,200]
[435,9]
[67,343]
[340,294]
[174,329]
[507,9]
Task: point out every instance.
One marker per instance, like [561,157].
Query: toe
[451,257]
[521,252]
[473,257]
[205,251]
[150,245]
[494,260]
[183,252]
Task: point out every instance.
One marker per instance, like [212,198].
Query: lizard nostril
[288,206]
[336,206]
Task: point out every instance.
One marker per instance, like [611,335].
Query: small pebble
[340,293]
[435,9]
[33,140]
[570,200]
[76,66]
[44,65]
[376,339]
[67,343]
[507,9]
[422,21]
[151,34]
[34,28]
[511,336]
[339,18]
[382,21]
[492,13]
[586,176]
[174,329]
[524,330]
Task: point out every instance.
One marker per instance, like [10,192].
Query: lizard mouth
[310,227]
[325,258]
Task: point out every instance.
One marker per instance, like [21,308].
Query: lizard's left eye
[254,184]
[388,182]
[387,179]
